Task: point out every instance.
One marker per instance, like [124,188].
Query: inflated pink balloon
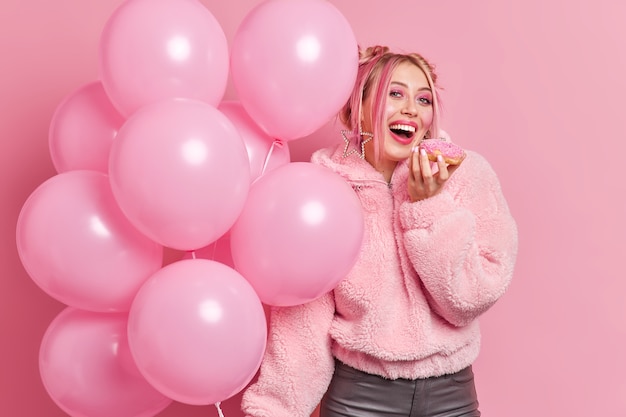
[82,129]
[197,331]
[264,152]
[87,369]
[78,246]
[179,171]
[293,64]
[298,235]
[156,49]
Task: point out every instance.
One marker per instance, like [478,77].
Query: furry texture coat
[409,307]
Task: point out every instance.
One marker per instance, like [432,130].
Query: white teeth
[406,128]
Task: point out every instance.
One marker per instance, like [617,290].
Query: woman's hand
[422,182]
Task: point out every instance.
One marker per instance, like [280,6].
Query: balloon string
[276,142]
[214,250]
[219,410]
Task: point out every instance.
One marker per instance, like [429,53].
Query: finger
[427,173]
[452,168]
[411,162]
[414,165]
[444,174]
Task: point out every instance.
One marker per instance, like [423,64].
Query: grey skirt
[353,393]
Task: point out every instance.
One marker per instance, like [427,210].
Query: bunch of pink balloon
[149,157]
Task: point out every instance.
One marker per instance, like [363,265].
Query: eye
[396,94]
[425,101]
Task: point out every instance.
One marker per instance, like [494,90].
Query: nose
[409,108]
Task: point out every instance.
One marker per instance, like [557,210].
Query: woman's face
[408,114]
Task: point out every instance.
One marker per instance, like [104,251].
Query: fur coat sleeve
[462,242]
[298,363]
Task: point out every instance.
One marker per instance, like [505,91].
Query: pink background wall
[538,87]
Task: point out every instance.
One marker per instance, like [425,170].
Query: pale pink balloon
[82,130]
[298,235]
[78,246]
[197,331]
[87,369]
[264,152]
[157,49]
[179,171]
[293,64]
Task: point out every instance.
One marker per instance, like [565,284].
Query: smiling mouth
[404,133]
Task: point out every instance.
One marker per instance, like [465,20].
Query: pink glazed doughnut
[452,154]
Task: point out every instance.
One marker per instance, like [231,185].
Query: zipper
[358,185]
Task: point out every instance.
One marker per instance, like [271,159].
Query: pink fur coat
[409,307]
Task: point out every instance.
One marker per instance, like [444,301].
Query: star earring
[362,137]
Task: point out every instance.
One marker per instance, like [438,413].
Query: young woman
[397,337]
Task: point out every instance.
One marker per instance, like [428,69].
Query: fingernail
[422,152]
[439,158]
[414,149]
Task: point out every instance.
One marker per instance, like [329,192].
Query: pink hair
[376,65]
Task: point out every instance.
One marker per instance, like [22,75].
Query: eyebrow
[406,86]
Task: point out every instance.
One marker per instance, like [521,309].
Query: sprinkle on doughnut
[452,154]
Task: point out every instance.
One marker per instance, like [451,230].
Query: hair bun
[372,53]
